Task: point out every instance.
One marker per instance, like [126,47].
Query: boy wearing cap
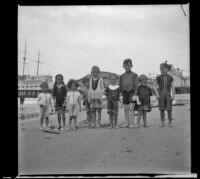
[45,102]
[164,86]
[128,83]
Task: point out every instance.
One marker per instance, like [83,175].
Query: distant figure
[59,98]
[96,89]
[22,98]
[45,102]
[113,95]
[165,93]
[144,94]
[73,103]
[128,83]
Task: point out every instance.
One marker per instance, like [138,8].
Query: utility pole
[24,58]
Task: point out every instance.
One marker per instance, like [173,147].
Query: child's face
[95,73]
[127,67]
[143,82]
[44,89]
[113,80]
[73,87]
[163,70]
[59,80]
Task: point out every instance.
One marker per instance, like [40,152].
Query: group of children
[130,91]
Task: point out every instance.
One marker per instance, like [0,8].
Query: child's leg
[59,119]
[145,118]
[70,122]
[126,110]
[41,121]
[162,116]
[111,119]
[115,118]
[99,117]
[94,117]
[169,117]
[132,115]
[47,121]
[74,121]
[89,118]
[139,117]
[63,118]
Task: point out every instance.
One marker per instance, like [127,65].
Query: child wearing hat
[128,83]
[144,94]
[45,103]
[165,86]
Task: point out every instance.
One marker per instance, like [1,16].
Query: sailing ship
[28,85]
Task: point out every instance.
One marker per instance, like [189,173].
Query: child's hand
[134,98]
[173,102]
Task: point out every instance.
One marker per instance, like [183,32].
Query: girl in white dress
[44,101]
[73,103]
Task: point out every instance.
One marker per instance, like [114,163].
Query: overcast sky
[72,39]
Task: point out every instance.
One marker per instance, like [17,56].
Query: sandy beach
[92,151]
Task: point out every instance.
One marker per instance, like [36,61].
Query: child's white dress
[73,98]
[45,100]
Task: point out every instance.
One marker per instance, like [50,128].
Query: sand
[92,151]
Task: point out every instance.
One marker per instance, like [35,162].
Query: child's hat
[44,84]
[142,77]
[165,65]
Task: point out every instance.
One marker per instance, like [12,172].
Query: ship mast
[38,62]
[24,58]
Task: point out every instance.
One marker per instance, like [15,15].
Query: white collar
[59,86]
[95,78]
[113,87]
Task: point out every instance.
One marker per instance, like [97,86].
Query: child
[73,102]
[96,89]
[128,83]
[87,104]
[22,98]
[164,83]
[113,95]
[44,100]
[59,97]
[144,94]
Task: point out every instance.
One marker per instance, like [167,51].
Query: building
[30,85]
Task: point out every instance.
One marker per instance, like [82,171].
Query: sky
[72,39]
